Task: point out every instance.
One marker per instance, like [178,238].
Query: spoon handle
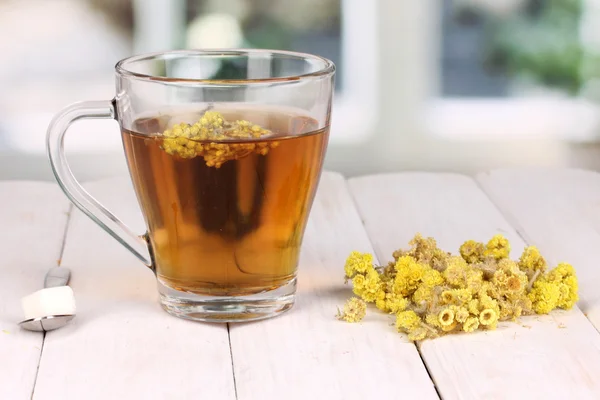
[57,276]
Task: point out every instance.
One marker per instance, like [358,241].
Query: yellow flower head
[408,275]
[545,296]
[423,294]
[461,314]
[564,276]
[432,319]
[446,317]
[473,306]
[498,247]
[367,286]
[471,324]
[568,292]
[509,279]
[488,317]
[358,282]
[358,263]
[407,321]
[449,328]
[562,270]
[432,278]
[422,248]
[472,251]
[354,310]
[488,290]
[456,271]
[457,296]
[474,279]
[531,260]
[392,303]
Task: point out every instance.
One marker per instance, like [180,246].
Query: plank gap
[232,361]
[58,262]
[37,370]
[424,361]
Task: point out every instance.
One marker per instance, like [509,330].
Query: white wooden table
[123,346]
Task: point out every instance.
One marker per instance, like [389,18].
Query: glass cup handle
[73,189]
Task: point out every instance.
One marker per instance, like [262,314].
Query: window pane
[504,48]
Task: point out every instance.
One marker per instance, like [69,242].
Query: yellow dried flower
[473,306]
[432,319]
[392,303]
[461,314]
[456,271]
[509,279]
[423,249]
[472,251]
[488,290]
[446,317]
[544,297]
[531,261]
[474,279]
[488,267]
[354,310]
[358,263]
[486,301]
[488,316]
[471,324]
[432,278]
[205,138]
[407,321]
[408,275]
[449,328]
[498,247]
[568,292]
[368,286]
[423,294]
[457,296]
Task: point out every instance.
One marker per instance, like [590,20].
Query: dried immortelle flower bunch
[206,137]
[432,292]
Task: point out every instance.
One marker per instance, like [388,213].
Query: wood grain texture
[33,218]
[307,353]
[557,210]
[551,357]
[122,345]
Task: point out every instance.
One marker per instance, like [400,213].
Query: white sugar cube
[51,301]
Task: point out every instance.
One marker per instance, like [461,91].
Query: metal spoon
[56,276]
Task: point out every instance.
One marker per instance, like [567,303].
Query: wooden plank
[553,363]
[307,353]
[558,210]
[33,218]
[122,344]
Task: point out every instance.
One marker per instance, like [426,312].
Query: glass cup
[225,150]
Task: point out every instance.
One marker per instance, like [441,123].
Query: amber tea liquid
[232,230]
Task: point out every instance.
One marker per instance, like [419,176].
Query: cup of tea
[225,150]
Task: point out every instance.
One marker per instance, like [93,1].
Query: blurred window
[518,68]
